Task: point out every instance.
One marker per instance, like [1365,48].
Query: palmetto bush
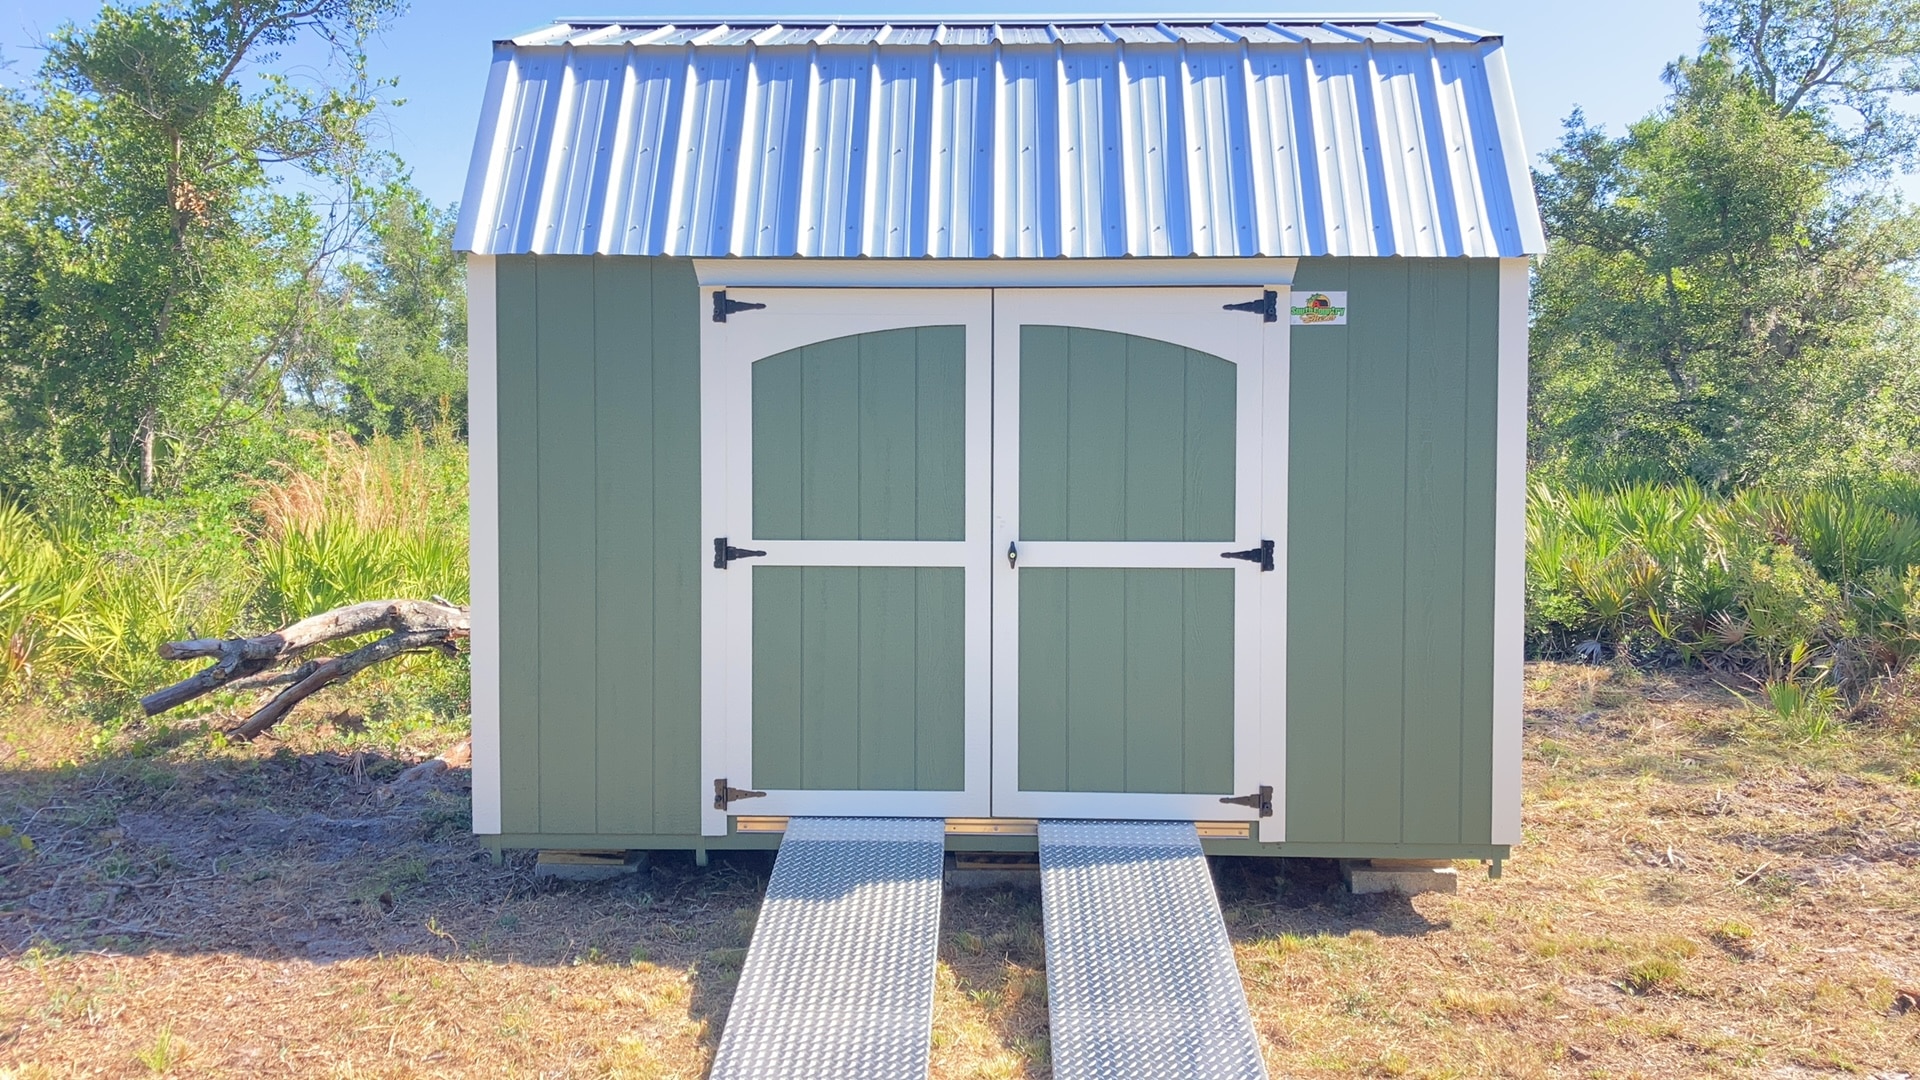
[89,603]
[1813,588]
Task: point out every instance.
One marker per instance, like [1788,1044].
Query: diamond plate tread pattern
[1141,981]
[838,981]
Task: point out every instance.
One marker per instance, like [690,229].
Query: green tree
[407,367]
[1725,295]
[151,280]
[1859,57]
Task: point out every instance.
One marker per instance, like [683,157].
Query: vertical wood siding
[857,678]
[599,376]
[1390,556]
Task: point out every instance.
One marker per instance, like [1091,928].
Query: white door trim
[1255,271]
[1172,554]
[1276,348]
[727,351]
[1240,337]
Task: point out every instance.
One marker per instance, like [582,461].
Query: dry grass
[386,485]
[1696,897]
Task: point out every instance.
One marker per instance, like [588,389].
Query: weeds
[163,1055]
[87,597]
[1806,711]
[1652,975]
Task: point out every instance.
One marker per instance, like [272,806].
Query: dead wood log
[248,663]
[453,757]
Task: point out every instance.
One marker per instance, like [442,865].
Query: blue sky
[1561,54]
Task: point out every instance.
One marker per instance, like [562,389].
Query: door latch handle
[724,553]
[1262,555]
[1013,555]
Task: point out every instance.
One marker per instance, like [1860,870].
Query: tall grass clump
[1812,596]
[363,523]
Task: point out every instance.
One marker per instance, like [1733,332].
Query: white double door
[967,552]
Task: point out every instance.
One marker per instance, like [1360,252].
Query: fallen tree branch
[453,757]
[248,663]
[271,679]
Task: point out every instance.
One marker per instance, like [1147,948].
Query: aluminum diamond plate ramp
[838,983]
[1141,982]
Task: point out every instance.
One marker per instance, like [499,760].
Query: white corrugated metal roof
[1079,138]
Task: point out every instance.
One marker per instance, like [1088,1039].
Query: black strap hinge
[1262,555]
[724,553]
[722,794]
[1267,307]
[1261,800]
[723,307]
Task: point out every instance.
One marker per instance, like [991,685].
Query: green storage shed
[997,421]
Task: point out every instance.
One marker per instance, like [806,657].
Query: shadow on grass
[287,856]
[1267,898]
[993,942]
[176,850]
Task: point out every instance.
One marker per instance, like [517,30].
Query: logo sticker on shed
[1318,309]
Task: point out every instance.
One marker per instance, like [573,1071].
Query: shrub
[1819,588]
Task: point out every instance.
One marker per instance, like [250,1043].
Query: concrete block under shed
[1408,877]
[565,865]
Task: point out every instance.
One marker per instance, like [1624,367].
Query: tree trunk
[147,422]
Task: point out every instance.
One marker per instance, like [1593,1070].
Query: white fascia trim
[483,504]
[1510,549]
[990,273]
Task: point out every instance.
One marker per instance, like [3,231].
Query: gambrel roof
[1079,138]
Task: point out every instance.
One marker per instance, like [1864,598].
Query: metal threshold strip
[1209,830]
[838,981]
[1141,981]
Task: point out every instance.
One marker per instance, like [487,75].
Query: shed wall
[599,411]
[1391,555]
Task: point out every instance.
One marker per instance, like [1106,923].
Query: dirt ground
[1696,896]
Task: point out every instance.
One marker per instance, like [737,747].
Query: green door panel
[862,438]
[1123,438]
[1126,680]
[857,678]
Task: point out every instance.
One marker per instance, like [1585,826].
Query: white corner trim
[483,506]
[990,273]
[1510,550]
